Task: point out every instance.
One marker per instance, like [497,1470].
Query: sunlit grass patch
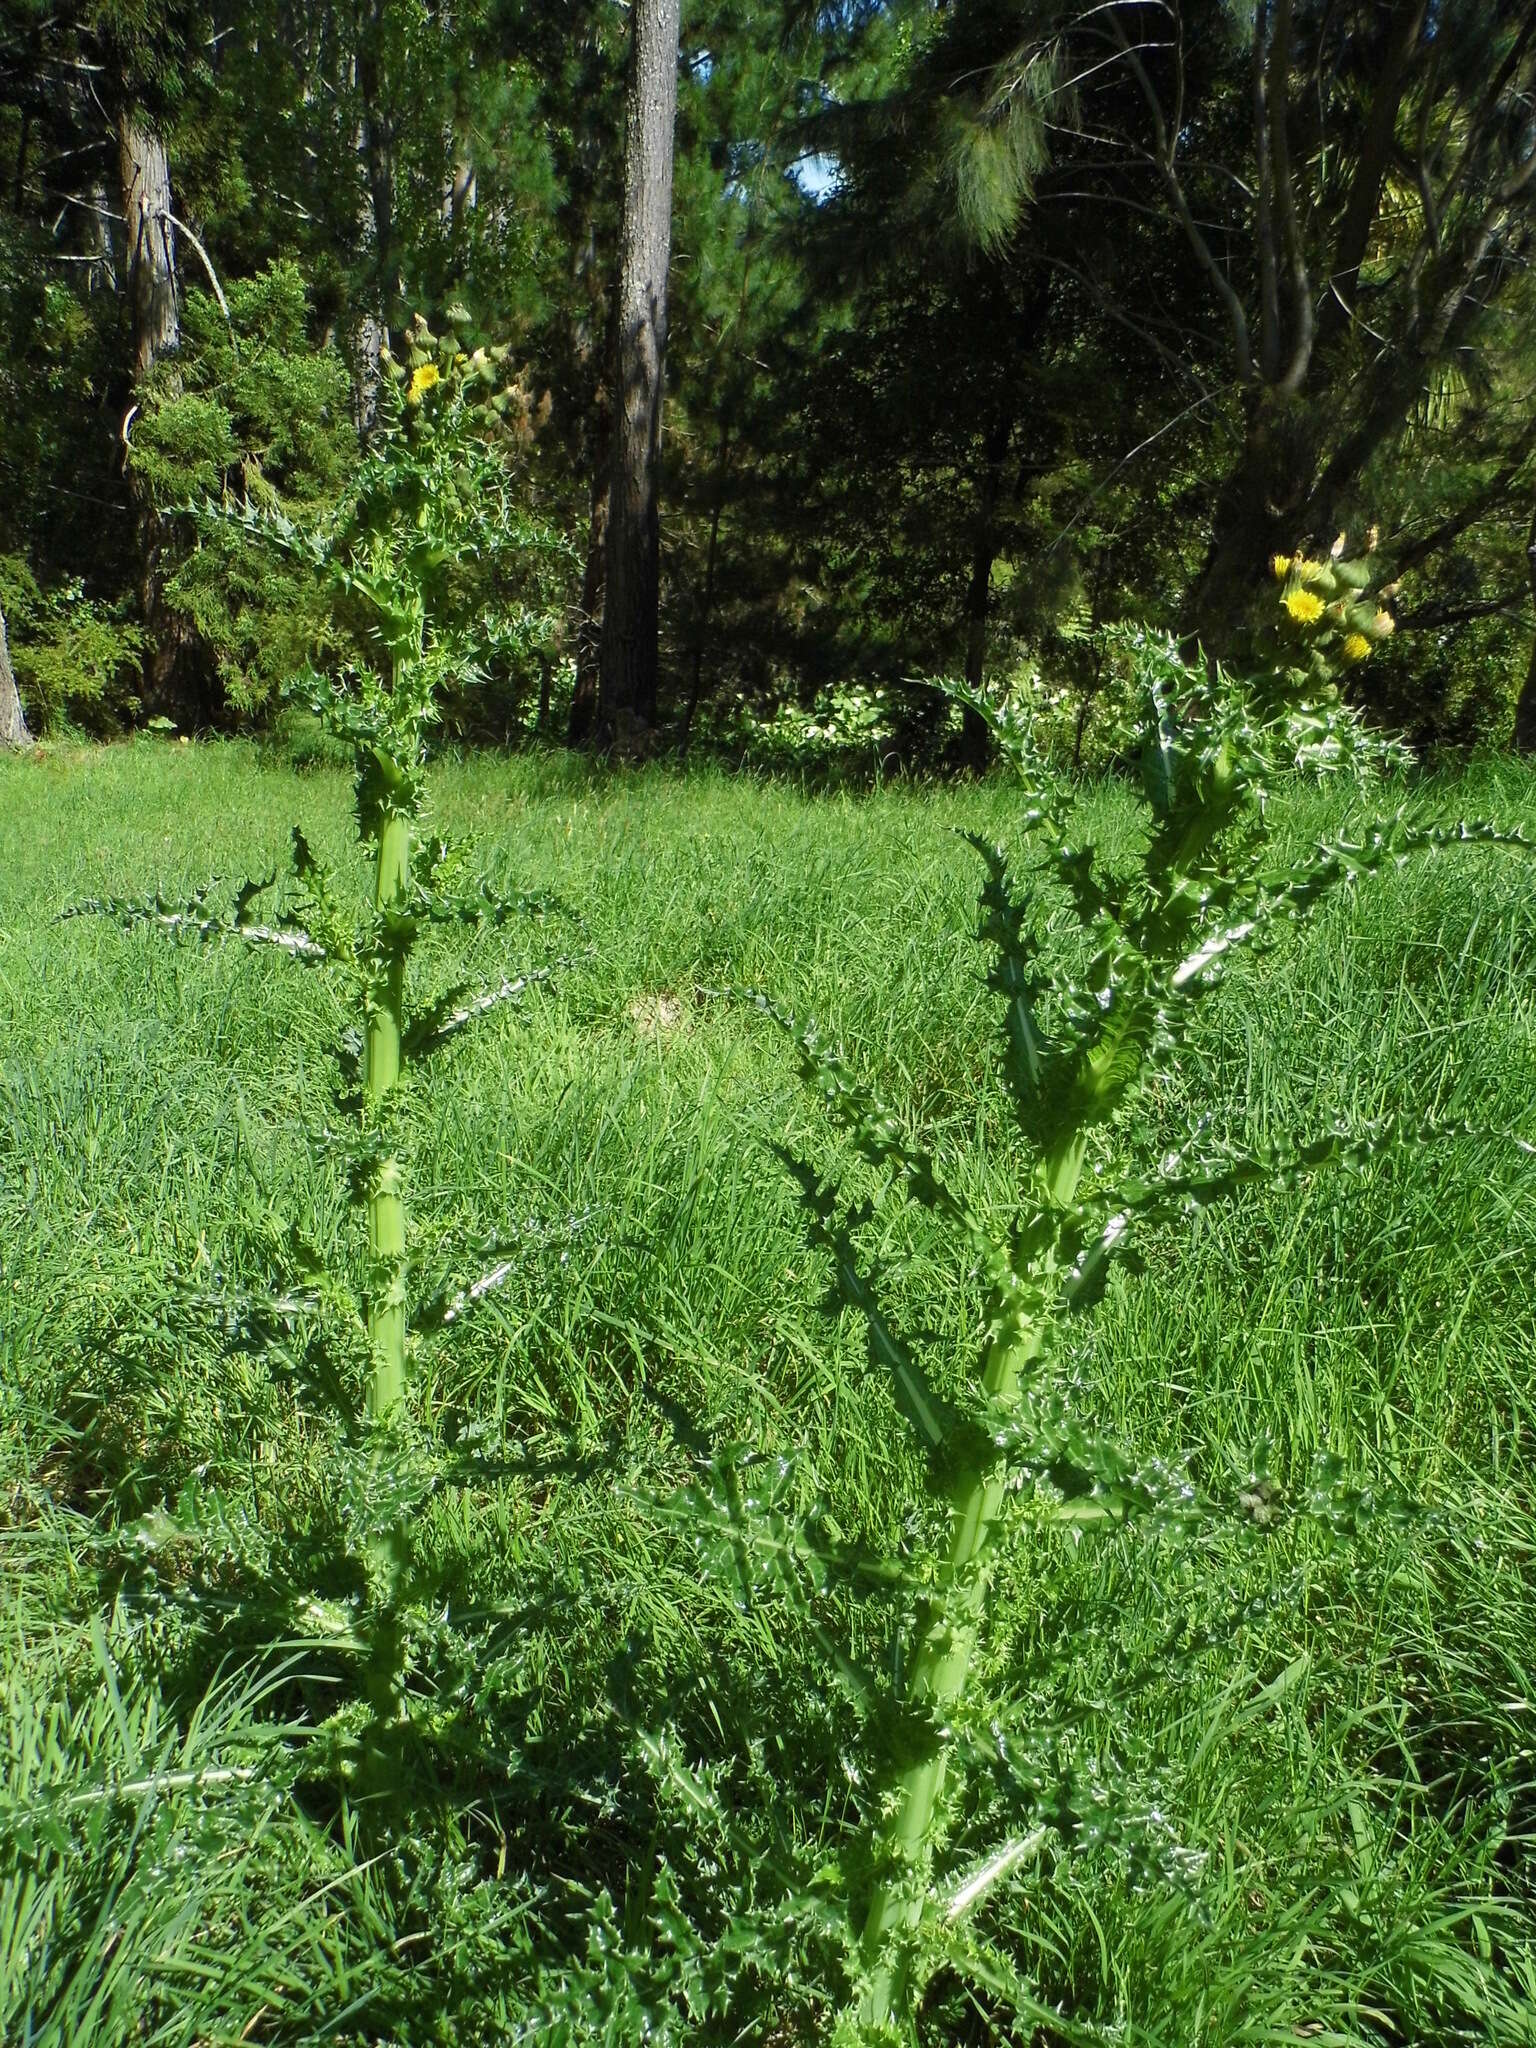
[1361,1828]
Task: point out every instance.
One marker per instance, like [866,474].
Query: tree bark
[975,736]
[146,194]
[1525,708]
[463,193]
[365,343]
[582,724]
[376,222]
[1265,507]
[13,723]
[96,239]
[631,602]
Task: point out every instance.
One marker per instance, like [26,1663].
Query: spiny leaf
[502,1257]
[323,916]
[191,919]
[855,1108]
[458,1007]
[484,905]
[1179,1193]
[932,1417]
[1047,800]
[1295,892]
[1014,975]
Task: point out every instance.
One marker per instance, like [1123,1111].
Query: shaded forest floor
[1344,1784]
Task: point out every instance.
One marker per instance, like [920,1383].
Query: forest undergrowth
[1333,1794]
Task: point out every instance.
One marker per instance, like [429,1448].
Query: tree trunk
[146,194]
[365,343]
[582,724]
[13,724]
[381,285]
[462,195]
[631,602]
[1525,709]
[96,239]
[975,737]
[1260,511]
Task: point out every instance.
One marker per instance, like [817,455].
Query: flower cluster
[1328,610]
[442,368]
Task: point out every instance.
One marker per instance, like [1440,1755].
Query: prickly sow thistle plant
[1009,1455]
[426,499]
[1330,621]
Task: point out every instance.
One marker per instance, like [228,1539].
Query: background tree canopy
[990,325]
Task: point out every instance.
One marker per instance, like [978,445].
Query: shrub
[77,661]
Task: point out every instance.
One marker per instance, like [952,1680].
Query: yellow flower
[1384,625]
[1356,647]
[1304,606]
[422,380]
[1281,564]
[1310,572]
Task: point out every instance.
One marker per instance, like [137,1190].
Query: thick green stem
[381,1070]
[941,1661]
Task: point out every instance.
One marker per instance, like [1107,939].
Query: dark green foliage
[253,413]
[951,385]
[77,661]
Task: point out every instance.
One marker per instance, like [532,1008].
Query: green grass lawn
[1314,1761]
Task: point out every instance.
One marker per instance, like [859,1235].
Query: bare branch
[1450,530]
[1269,276]
[1165,153]
[218,290]
[1512,605]
[1364,200]
[1298,284]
